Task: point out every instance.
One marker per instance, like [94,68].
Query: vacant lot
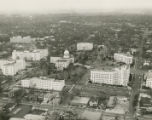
[21,111]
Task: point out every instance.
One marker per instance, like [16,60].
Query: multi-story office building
[34,55]
[20,39]
[43,83]
[86,46]
[125,58]
[11,67]
[118,75]
[62,62]
[149,79]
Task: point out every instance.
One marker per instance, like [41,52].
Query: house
[93,102]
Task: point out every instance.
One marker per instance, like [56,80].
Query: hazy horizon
[50,6]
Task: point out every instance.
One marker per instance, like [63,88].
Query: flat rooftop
[124,54]
[80,100]
[43,78]
[28,51]
[107,66]
[85,43]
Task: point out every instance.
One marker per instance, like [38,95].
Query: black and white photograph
[75,59]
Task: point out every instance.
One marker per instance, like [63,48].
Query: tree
[66,97]
[76,92]
[117,118]
[4,116]
[51,68]
[44,66]
[55,116]
[1,87]
[18,95]
[135,102]
[72,115]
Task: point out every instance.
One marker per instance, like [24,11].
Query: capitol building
[62,62]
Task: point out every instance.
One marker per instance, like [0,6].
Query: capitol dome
[66,54]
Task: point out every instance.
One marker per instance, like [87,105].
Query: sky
[12,6]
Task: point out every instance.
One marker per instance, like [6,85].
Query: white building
[34,117]
[13,118]
[149,79]
[11,67]
[30,117]
[43,83]
[84,46]
[125,58]
[20,39]
[34,55]
[62,62]
[113,76]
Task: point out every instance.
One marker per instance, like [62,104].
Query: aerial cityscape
[76,65]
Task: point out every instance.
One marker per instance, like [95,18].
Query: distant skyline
[49,6]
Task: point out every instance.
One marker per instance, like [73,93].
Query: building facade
[86,46]
[149,79]
[12,67]
[34,55]
[34,117]
[43,83]
[120,57]
[117,76]
[61,64]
